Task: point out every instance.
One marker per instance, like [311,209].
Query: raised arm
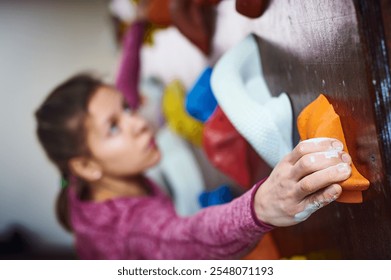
[128,76]
[226,231]
[303,182]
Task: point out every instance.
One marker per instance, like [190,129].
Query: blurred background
[41,44]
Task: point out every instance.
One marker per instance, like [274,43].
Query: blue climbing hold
[200,101]
[221,195]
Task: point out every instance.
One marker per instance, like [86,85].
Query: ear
[85,168]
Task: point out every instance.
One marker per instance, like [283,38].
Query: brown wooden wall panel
[339,48]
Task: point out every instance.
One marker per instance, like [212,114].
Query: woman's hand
[303,182]
[142,10]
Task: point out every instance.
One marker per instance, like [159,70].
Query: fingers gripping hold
[314,145]
[313,162]
[323,178]
[303,182]
[314,202]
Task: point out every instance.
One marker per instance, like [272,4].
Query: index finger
[314,145]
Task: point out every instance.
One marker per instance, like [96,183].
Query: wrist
[256,207]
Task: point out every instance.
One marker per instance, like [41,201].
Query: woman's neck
[109,188]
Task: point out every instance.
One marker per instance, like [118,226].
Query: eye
[114,128]
[126,108]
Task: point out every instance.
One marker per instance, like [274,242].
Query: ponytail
[61,132]
[62,209]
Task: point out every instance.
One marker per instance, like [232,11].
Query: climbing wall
[340,49]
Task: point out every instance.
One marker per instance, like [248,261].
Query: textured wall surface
[337,48]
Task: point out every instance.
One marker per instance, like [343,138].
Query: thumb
[314,202]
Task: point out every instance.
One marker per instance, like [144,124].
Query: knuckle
[288,210]
[305,186]
[325,200]
[286,159]
[278,177]
[331,175]
[292,173]
[301,148]
[305,163]
[291,212]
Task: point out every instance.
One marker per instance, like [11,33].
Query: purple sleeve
[226,231]
[128,76]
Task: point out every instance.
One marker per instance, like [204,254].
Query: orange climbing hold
[319,119]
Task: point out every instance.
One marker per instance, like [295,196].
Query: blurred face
[120,141]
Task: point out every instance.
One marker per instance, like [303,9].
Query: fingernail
[346,158]
[337,145]
[335,191]
[343,167]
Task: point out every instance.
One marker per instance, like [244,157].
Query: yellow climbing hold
[176,115]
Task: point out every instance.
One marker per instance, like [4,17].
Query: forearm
[227,231]
[128,76]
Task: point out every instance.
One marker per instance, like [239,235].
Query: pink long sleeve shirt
[148,227]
